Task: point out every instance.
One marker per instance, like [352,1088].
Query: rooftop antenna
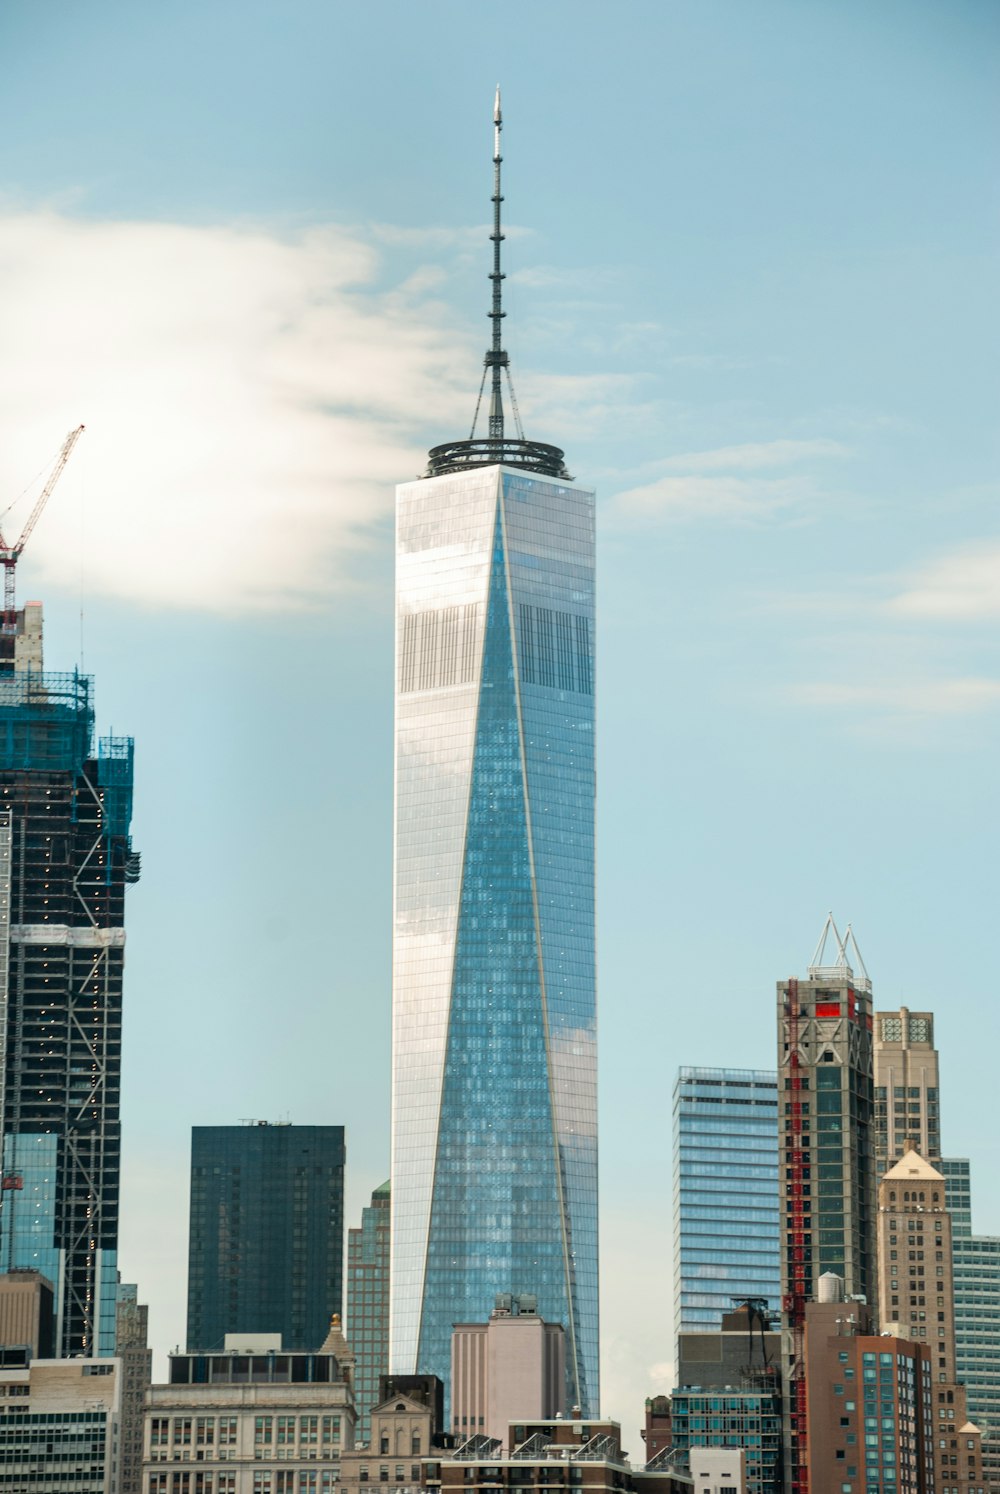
[497,447]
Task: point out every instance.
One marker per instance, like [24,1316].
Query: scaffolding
[46,721]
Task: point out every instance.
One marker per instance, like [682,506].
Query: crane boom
[10,554]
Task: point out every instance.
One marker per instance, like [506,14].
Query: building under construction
[65,859]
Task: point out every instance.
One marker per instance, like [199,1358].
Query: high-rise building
[368,1304]
[726,1222]
[136,1359]
[907,1096]
[827,1151]
[266,1241]
[917,1302]
[976,1262]
[869,1402]
[65,860]
[494,1119]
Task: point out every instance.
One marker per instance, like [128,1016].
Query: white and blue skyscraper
[726,1220]
[494,1107]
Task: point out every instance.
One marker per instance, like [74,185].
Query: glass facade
[266,1241]
[494,1166]
[726,1239]
[747,1419]
[368,1305]
[65,861]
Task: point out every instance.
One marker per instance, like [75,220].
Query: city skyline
[771,363]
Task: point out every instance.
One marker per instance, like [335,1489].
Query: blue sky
[751,288]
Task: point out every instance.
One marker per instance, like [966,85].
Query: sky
[751,265]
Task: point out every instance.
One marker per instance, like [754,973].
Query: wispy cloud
[249,399]
[711,497]
[963,585]
[755,456]
[939,697]
[715,483]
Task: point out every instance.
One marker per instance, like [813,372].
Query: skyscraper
[494,1139]
[65,860]
[368,1305]
[907,1097]
[917,1298]
[726,1239]
[266,1241]
[825,1082]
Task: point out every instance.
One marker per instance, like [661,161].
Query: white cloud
[249,401]
[959,697]
[963,585]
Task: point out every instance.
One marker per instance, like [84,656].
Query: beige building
[511,1369]
[907,1088]
[402,1433]
[718,1470]
[917,1302]
[59,1424]
[27,1317]
[253,1419]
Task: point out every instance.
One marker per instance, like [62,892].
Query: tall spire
[496,358]
[497,448]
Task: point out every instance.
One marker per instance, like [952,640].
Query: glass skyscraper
[494,1166]
[726,1238]
[266,1234]
[494,1113]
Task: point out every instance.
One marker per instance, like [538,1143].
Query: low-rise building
[251,1419]
[59,1425]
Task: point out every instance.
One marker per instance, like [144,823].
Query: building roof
[912,1165]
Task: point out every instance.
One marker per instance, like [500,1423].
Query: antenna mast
[496,358]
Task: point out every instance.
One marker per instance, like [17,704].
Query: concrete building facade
[368,1259]
[253,1419]
[907,1087]
[509,1369]
[136,1359]
[869,1404]
[59,1426]
[27,1313]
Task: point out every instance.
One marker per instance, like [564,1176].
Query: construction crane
[11,554]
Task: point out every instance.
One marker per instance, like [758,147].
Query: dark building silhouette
[265,1249]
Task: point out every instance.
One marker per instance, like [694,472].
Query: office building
[368,1304]
[265,1249]
[746,1417]
[827,1152]
[511,1368]
[253,1418]
[59,1425]
[745,1346]
[869,1401]
[958,1193]
[726,1221]
[494,1119]
[917,1301]
[907,1094]
[27,1316]
[976,1264]
[65,860]
[136,1360]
